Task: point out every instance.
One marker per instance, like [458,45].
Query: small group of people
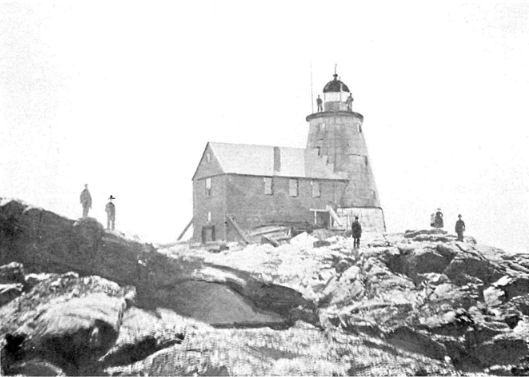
[110,208]
[436,221]
[349,101]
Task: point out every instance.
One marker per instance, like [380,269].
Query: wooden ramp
[272,234]
[239,230]
[334,215]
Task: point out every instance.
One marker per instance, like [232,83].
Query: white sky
[125,95]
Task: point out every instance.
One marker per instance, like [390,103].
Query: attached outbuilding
[239,189]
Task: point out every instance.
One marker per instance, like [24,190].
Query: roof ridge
[252,145]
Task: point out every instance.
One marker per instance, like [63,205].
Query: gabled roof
[258,160]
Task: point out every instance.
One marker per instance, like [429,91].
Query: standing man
[349,102]
[439,222]
[111,214]
[357,232]
[460,229]
[319,102]
[86,200]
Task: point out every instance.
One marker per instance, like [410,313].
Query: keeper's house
[239,188]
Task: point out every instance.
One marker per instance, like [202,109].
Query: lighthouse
[336,136]
[244,191]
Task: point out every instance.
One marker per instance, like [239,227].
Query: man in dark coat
[86,200]
[439,222]
[319,102]
[460,229]
[111,214]
[357,232]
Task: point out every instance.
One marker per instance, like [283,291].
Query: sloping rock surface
[44,241]
[418,303]
[422,292]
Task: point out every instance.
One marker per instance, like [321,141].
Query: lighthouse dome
[335,86]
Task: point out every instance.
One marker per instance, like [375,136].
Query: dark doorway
[208,233]
[323,219]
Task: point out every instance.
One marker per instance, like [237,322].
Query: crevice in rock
[130,353]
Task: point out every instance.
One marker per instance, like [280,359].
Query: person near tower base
[111,214]
[319,102]
[86,201]
[460,229]
[357,232]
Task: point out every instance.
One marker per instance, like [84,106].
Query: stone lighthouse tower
[336,135]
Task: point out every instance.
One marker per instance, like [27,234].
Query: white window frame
[208,187]
[293,187]
[316,189]
[268,185]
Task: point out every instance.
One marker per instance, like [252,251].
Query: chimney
[277,159]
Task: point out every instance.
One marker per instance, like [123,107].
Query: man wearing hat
[111,214]
[460,228]
[357,232]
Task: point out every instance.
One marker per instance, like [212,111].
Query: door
[208,233]
[323,219]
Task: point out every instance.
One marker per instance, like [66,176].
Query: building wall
[251,207]
[215,203]
[340,139]
[371,219]
[207,168]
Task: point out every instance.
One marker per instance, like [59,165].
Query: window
[322,127]
[293,187]
[365,157]
[208,157]
[209,216]
[319,150]
[374,194]
[208,187]
[268,186]
[316,193]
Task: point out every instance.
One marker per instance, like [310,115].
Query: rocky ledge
[45,242]
[78,300]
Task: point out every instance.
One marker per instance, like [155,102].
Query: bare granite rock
[417,303]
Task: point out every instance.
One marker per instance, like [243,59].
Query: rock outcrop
[45,241]
[418,303]
[421,292]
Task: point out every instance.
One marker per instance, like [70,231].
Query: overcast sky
[125,95]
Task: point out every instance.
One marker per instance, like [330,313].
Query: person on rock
[356,229]
[111,214]
[439,222]
[144,266]
[319,102]
[460,229]
[86,201]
